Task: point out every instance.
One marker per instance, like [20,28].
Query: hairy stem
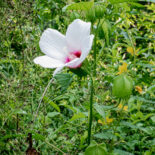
[94,54]
[91,110]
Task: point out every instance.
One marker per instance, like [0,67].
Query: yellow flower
[139,89]
[120,106]
[122,68]
[152,62]
[107,121]
[125,108]
[131,51]
[100,121]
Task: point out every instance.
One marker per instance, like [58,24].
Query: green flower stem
[134,56]
[95,41]
[92,87]
[134,53]
[91,110]
[94,55]
[134,50]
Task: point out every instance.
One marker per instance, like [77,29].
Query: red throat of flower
[72,56]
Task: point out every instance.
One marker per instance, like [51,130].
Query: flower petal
[48,62]
[77,31]
[52,43]
[86,47]
[73,64]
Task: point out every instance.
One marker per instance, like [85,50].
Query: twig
[42,97]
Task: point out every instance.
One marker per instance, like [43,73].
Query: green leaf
[147,116]
[122,152]
[51,103]
[52,114]
[64,80]
[121,1]
[143,100]
[148,1]
[83,138]
[100,110]
[79,6]
[12,136]
[151,88]
[77,116]
[20,112]
[107,135]
[96,149]
[153,119]
[37,136]
[2,61]
[106,29]
[147,153]
[73,109]
[128,124]
[137,5]
[79,72]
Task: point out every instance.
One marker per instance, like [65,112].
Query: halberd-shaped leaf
[96,149]
[64,80]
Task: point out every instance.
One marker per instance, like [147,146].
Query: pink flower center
[72,56]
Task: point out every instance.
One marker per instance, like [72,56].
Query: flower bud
[122,86]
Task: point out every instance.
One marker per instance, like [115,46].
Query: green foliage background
[62,122]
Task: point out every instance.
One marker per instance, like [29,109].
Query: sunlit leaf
[106,29]
[153,119]
[105,135]
[121,1]
[78,116]
[122,152]
[52,114]
[79,6]
[51,103]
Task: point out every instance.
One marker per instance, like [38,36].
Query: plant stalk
[94,56]
[95,41]
[91,110]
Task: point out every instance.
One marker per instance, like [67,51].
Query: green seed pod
[122,86]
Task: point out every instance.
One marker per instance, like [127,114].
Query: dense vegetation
[124,44]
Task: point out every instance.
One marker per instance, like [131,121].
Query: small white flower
[70,50]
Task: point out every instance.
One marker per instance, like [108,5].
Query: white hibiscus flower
[70,50]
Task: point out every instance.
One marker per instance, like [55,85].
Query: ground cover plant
[103,105]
